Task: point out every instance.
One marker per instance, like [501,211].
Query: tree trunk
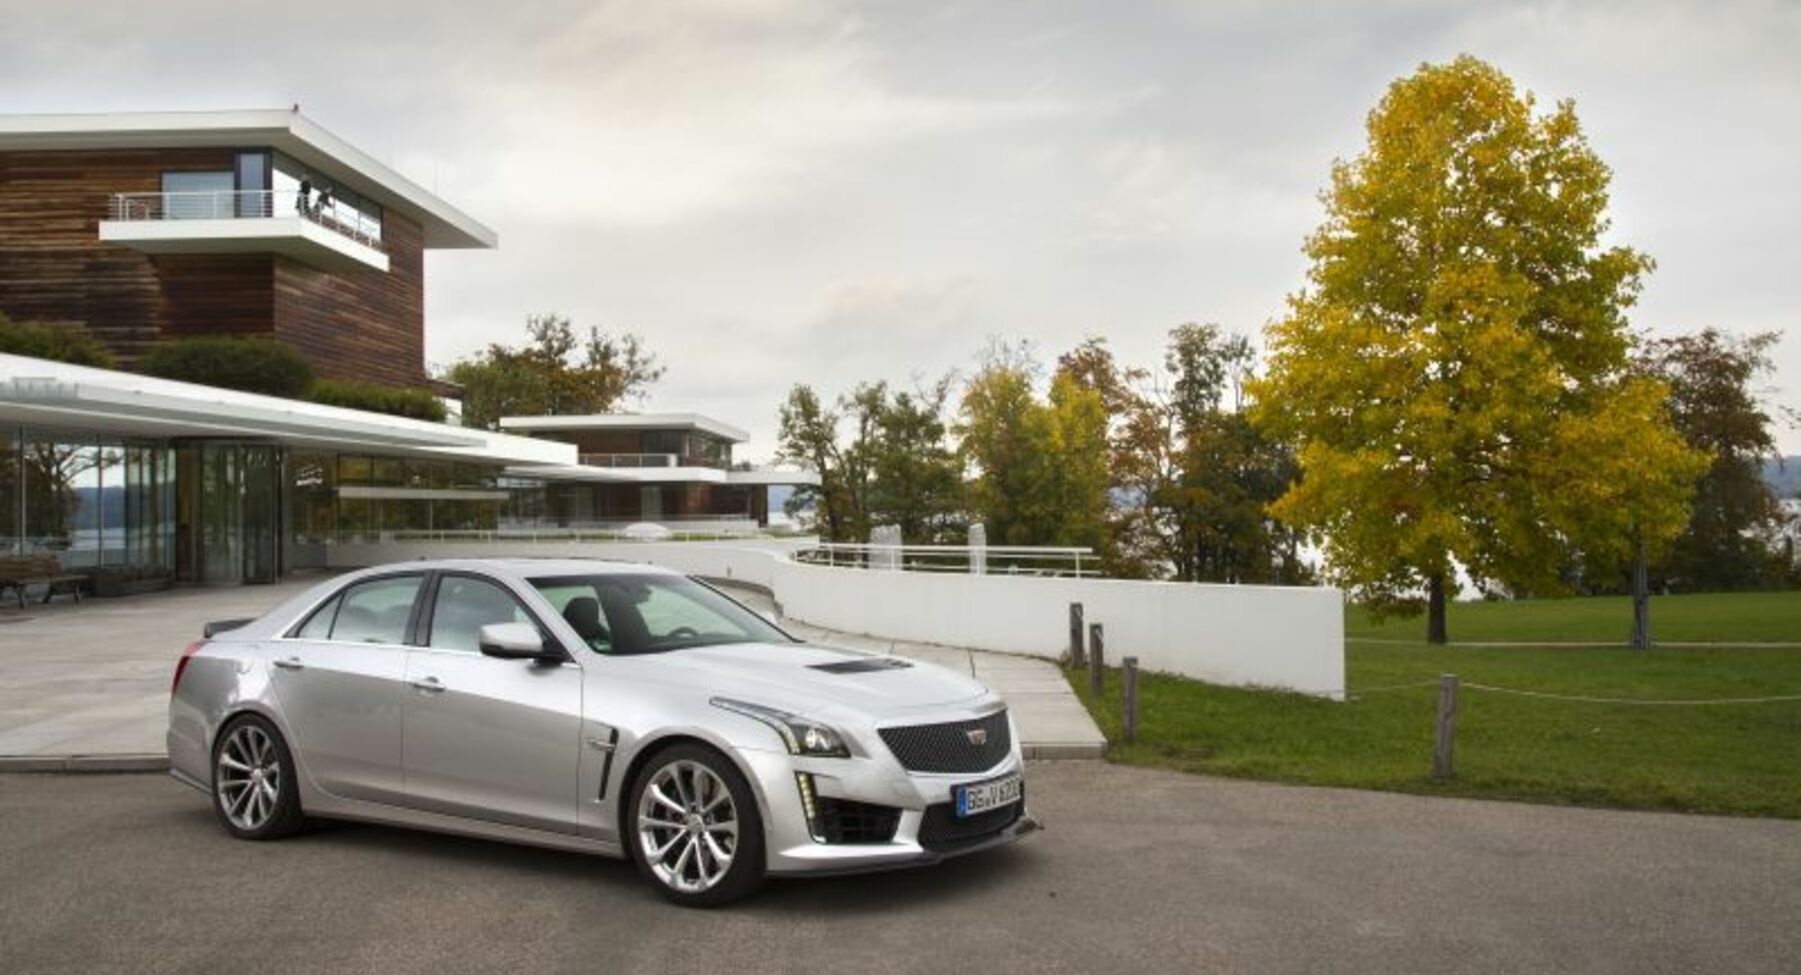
[1641,602]
[1435,609]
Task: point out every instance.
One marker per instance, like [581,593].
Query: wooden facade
[362,324]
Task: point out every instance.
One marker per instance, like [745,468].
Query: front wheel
[254,791]
[695,832]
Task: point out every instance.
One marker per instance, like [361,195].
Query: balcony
[240,222]
[628,460]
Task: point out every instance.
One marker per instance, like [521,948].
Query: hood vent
[863,666]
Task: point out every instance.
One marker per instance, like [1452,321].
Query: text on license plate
[979,797]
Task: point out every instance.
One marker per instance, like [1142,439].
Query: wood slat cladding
[362,324]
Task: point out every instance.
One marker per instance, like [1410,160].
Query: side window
[464,605]
[377,611]
[318,625]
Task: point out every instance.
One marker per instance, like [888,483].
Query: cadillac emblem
[977,736]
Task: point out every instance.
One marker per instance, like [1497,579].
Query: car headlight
[803,736]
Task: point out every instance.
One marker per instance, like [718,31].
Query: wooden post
[1097,660]
[1130,690]
[1076,657]
[1444,739]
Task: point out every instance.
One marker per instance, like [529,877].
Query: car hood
[789,675]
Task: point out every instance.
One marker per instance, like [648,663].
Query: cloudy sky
[781,191]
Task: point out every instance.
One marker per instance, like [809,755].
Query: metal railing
[1024,560]
[628,460]
[243,205]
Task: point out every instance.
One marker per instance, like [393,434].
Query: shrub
[70,345]
[251,365]
[417,404]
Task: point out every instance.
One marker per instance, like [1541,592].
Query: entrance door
[228,504]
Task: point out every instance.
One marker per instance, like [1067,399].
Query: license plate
[979,797]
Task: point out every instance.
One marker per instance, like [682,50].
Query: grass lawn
[1706,617]
[1738,759]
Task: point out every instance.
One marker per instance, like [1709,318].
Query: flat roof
[57,395]
[282,129]
[627,421]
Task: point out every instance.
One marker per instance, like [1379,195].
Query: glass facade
[90,501]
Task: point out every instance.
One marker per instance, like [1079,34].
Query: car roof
[528,568]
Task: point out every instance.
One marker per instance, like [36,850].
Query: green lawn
[1739,759]
[1707,617]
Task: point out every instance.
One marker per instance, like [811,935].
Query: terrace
[333,236]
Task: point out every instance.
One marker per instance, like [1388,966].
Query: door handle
[430,685]
[290,663]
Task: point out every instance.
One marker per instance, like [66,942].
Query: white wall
[1265,636]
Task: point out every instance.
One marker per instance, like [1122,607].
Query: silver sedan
[595,707]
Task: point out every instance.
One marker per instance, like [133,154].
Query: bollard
[1444,738]
[1129,674]
[1097,660]
[1076,657]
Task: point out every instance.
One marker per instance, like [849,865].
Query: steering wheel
[684,633]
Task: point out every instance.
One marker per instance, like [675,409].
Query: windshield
[627,614]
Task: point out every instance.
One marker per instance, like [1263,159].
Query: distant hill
[1784,476]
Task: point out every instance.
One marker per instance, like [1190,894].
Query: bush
[251,365]
[417,404]
[70,345]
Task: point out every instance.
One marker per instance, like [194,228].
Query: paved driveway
[1138,871]
[93,679]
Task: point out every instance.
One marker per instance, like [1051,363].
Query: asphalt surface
[1138,871]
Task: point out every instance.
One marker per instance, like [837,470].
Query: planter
[129,583]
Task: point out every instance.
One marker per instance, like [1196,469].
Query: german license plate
[979,797]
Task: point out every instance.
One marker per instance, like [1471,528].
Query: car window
[464,605]
[318,625]
[628,613]
[376,611]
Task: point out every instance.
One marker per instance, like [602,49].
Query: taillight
[182,664]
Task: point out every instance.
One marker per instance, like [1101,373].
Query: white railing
[244,205]
[628,460]
[1024,560]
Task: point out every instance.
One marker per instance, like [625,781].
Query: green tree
[1713,403]
[71,345]
[554,372]
[1454,376]
[916,480]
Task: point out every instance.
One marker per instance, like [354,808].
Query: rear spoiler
[217,627]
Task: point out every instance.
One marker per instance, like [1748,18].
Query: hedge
[70,345]
[418,404]
[251,365]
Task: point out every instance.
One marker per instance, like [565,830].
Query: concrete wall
[1263,636]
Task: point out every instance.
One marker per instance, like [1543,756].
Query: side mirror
[769,617]
[515,641]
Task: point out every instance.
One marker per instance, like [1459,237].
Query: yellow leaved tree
[1454,376]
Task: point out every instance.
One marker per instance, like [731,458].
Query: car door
[484,737]
[339,676]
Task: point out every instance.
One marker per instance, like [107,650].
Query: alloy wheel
[687,827]
[249,777]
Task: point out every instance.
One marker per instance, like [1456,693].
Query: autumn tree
[554,372]
[1454,375]
[1715,406]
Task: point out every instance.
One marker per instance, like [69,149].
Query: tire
[255,791]
[688,871]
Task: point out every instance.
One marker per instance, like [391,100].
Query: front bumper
[792,849]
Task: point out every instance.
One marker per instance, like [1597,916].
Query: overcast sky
[781,191]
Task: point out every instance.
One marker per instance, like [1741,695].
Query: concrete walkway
[87,686]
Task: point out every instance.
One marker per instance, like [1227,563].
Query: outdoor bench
[19,571]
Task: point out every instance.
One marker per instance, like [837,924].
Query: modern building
[141,228]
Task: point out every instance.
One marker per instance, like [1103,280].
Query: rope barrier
[1353,695]
[1630,700]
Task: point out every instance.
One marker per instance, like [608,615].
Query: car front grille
[942,832]
[846,821]
[952,747]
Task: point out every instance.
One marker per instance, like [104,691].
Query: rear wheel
[695,832]
[254,789]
